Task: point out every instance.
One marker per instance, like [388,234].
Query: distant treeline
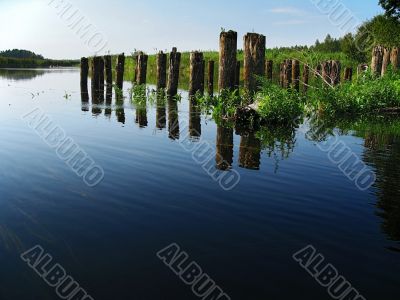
[35,63]
[26,59]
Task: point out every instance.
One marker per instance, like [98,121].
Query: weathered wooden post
[95,78]
[141,68]
[282,74]
[84,83]
[108,69]
[296,74]
[287,73]
[254,60]
[161,70]
[101,76]
[84,73]
[227,60]
[336,70]
[196,76]
[120,68]
[348,74]
[173,73]
[237,76]
[224,148]
[326,69]
[210,80]
[306,77]
[394,58]
[269,69]
[377,59]
[385,60]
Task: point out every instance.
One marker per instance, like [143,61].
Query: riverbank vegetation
[26,59]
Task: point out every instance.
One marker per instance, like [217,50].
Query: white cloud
[288,10]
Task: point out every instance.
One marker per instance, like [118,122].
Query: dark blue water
[154,193]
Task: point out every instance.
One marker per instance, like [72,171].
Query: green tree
[392,8]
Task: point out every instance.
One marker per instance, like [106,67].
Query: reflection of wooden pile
[250,152]
[224,157]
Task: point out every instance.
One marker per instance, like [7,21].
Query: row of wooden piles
[254,65]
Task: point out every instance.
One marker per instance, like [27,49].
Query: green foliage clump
[367,94]
[277,105]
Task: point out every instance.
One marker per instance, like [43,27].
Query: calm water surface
[153,194]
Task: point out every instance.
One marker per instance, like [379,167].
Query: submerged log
[196,77]
[254,60]
[227,60]
[173,73]
[161,70]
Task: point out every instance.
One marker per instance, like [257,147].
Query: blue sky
[125,25]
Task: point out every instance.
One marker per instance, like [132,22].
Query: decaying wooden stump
[377,60]
[296,75]
[108,70]
[385,60]
[84,73]
[306,77]
[173,73]
[348,74]
[287,73]
[161,70]
[227,60]
[120,69]
[336,70]
[210,81]
[395,59]
[237,76]
[269,64]
[254,60]
[282,74]
[196,77]
[141,68]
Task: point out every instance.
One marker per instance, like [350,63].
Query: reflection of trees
[385,156]
[381,136]
[21,74]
